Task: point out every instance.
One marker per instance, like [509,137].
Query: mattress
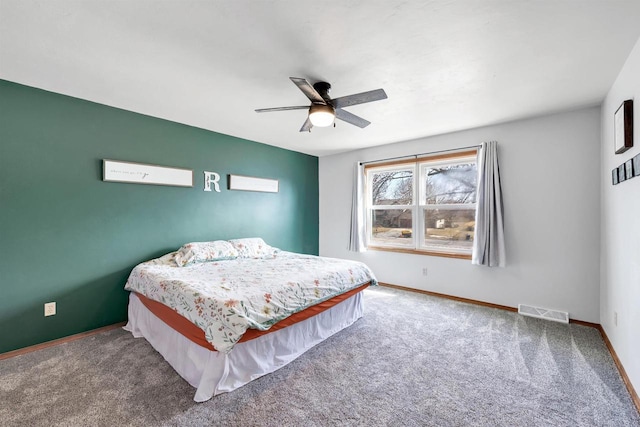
[197,335]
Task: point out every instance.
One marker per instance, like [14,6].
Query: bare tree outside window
[449,211]
[389,224]
[451,184]
[392,188]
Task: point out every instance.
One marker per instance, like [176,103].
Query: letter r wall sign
[211,179]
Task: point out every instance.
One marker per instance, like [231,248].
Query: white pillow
[195,252]
[253,247]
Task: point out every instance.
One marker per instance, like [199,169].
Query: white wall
[620,283]
[550,179]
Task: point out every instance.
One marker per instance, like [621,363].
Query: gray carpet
[412,360]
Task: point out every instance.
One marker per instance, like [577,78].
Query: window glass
[449,184]
[449,228]
[392,187]
[392,227]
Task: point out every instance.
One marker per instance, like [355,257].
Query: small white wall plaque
[140,173]
[248,183]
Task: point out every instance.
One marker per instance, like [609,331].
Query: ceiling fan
[324,110]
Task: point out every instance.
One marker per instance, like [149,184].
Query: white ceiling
[445,65]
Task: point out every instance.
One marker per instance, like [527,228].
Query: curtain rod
[420,154]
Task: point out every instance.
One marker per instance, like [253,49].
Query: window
[425,206]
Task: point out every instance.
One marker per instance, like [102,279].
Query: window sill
[420,252]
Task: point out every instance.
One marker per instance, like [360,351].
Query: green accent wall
[67,236]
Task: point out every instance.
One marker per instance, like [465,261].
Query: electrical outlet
[50,309]
[615,318]
[424,271]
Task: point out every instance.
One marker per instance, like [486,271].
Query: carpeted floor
[412,360]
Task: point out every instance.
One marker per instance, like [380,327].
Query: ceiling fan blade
[306,127]
[359,98]
[267,110]
[308,90]
[351,118]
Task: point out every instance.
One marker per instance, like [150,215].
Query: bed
[224,313]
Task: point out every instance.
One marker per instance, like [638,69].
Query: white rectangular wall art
[248,183]
[140,173]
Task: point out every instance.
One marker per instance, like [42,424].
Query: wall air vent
[543,313]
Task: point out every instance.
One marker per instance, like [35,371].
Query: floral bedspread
[225,298]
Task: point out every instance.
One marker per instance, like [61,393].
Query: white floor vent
[543,313]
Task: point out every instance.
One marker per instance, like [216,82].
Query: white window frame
[416,244]
[370,207]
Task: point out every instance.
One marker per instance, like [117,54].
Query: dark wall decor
[621,175]
[628,168]
[626,171]
[623,127]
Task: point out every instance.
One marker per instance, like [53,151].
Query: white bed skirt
[212,372]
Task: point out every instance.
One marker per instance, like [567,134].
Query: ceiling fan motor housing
[323,89]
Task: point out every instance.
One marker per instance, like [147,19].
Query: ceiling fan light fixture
[324,110]
[322,115]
